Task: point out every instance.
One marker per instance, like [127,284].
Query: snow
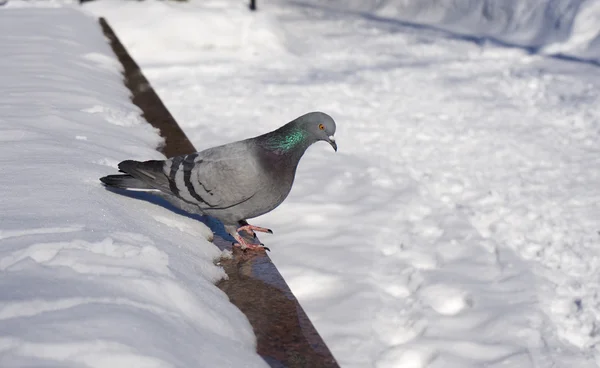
[554,27]
[456,226]
[89,277]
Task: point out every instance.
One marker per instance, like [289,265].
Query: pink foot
[245,245]
[251,229]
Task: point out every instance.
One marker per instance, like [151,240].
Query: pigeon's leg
[245,245]
[245,226]
[251,229]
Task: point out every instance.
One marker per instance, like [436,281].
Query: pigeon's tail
[147,175]
[124,181]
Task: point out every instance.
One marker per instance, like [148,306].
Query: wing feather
[217,178]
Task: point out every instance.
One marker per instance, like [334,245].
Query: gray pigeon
[235,181]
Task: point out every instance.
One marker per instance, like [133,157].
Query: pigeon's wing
[218,178]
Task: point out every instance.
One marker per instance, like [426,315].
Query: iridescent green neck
[287,140]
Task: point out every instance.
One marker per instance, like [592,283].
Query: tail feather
[124,181]
[139,175]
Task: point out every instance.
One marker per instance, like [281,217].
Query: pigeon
[233,182]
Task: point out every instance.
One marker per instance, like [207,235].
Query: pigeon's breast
[273,191]
[267,198]
[271,180]
[276,179]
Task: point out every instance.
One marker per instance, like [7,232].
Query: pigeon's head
[319,126]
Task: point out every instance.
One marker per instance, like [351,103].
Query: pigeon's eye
[321,126]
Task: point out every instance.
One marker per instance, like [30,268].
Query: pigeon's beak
[331,141]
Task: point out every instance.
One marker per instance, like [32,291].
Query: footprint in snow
[445,300]
[405,357]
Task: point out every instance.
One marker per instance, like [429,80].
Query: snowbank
[90,277]
[569,27]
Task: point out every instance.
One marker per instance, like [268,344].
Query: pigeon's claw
[245,245]
[251,230]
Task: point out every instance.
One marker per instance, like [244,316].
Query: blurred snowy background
[457,225]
